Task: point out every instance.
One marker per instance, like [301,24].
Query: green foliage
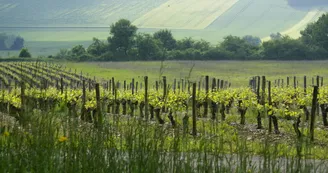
[11,42]
[24,53]
[148,48]
[316,34]
[167,39]
[97,48]
[78,50]
[286,48]
[122,35]
[185,43]
[238,47]
[63,54]
[124,44]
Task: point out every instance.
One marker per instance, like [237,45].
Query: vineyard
[81,119]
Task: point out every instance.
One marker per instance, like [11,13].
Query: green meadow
[236,72]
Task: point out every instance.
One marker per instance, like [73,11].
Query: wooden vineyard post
[287,81]
[179,86]
[174,85]
[164,86]
[213,84]
[114,94]
[182,85]
[136,87]
[213,104]
[194,124]
[318,81]
[132,86]
[262,98]
[164,91]
[295,82]
[270,110]
[83,111]
[259,123]
[113,86]
[156,85]
[61,85]
[110,85]
[321,82]
[99,118]
[206,98]
[89,84]
[313,110]
[304,84]
[221,84]
[146,97]
[124,85]
[218,84]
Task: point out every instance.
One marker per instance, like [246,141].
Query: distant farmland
[69,23]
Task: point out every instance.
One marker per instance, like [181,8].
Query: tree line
[126,44]
[11,42]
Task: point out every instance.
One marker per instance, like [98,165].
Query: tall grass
[54,142]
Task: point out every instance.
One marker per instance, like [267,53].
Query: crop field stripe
[294,31]
[310,17]
[176,14]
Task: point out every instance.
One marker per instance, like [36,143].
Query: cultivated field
[129,118]
[184,14]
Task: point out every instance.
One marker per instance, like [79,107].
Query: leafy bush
[24,53]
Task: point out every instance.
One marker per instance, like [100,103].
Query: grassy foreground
[237,72]
[54,142]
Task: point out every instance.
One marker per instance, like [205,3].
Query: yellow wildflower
[62,139]
[6,133]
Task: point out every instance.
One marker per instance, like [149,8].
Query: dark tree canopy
[18,43]
[97,48]
[124,44]
[316,34]
[148,47]
[11,42]
[167,39]
[78,50]
[122,35]
[24,53]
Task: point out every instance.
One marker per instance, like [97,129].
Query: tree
[18,43]
[97,48]
[238,47]
[185,43]
[286,49]
[24,53]
[167,39]
[122,35]
[275,36]
[63,54]
[202,45]
[254,41]
[148,48]
[3,38]
[78,50]
[316,34]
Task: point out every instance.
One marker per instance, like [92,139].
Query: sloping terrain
[185,14]
[207,19]
[71,13]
